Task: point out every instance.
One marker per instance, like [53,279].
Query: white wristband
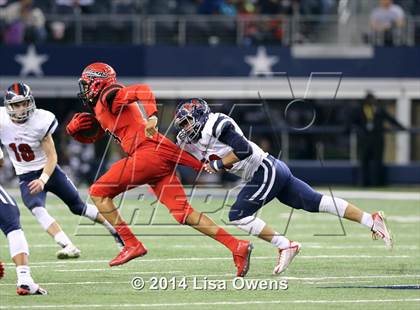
[1,154]
[44,177]
[152,117]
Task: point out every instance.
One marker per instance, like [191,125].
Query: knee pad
[43,217]
[91,212]
[17,243]
[250,224]
[180,215]
[332,205]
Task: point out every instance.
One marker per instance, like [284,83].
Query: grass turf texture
[330,260]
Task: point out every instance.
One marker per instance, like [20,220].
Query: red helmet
[94,79]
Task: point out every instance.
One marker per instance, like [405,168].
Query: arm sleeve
[122,96]
[229,136]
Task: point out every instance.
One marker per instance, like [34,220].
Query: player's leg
[115,181]
[36,204]
[60,185]
[260,190]
[18,246]
[172,153]
[299,195]
[171,193]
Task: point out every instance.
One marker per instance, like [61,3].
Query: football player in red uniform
[151,159]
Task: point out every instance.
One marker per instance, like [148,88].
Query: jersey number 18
[22,151]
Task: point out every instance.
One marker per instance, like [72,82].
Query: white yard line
[219,303]
[379,195]
[120,269]
[405,276]
[306,246]
[183,259]
[354,277]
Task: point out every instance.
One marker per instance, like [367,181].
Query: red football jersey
[119,111]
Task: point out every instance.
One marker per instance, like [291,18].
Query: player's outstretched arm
[48,146]
[239,144]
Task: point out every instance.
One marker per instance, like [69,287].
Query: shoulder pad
[221,121]
[109,93]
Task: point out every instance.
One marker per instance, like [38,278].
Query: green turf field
[319,278]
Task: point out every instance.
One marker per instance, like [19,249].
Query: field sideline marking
[221,303]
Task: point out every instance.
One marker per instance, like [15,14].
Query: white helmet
[17,93]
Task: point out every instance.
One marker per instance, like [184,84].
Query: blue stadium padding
[161,61]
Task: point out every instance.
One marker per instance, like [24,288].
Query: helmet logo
[96,74]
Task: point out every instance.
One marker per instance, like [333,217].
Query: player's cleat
[119,241]
[30,289]
[286,256]
[242,256]
[70,251]
[128,253]
[1,270]
[380,229]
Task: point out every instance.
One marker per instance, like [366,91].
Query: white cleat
[70,251]
[380,229]
[30,288]
[286,256]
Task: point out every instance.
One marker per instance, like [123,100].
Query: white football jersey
[23,141]
[208,147]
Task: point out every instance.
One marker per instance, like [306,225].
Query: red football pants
[152,164]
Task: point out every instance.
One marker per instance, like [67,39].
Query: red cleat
[128,253]
[31,289]
[1,270]
[242,256]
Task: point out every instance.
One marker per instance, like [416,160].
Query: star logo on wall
[261,63]
[31,62]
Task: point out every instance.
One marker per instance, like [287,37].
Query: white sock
[92,213]
[280,242]
[367,220]
[109,227]
[62,239]
[23,274]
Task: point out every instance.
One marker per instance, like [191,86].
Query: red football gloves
[79,122]
[82,122]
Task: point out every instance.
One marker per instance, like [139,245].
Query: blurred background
[330,86]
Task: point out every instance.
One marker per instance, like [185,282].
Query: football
[91,134]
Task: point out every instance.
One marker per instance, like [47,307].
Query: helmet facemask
[189,128]
[20,108]
[190,118]
[85,94]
